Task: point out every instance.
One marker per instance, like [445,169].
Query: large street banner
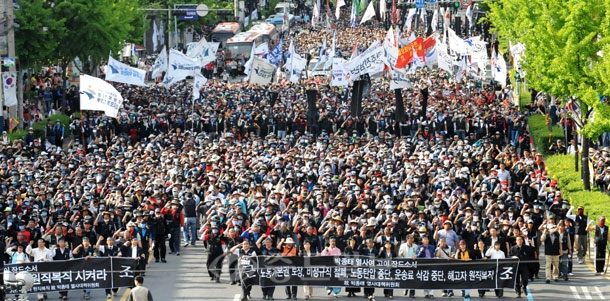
[262,72]
[370,63]
[9,84]
[98,95]
[399,80]
[78,274]
[122,73]
[160,64]
[180,66]
[396,273]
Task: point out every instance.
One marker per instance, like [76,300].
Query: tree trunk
[64,68]
[576,153]
[585,164]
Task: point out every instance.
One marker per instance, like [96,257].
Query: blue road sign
[190,15]
[420,3]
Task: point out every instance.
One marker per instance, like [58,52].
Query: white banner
[366,63]
[98,95]
[443,57]
[339,73]
[479,54]
[121,73]
[399,80]
[458,45]
[262,49]
[9,83]
[198,84]
[262,72]
[180,66]
[160,64]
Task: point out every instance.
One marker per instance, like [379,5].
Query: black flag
[424,102]
[400,106]
[356,104]
[274,96]
[312,96]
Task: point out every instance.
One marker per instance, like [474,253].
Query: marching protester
[263,171]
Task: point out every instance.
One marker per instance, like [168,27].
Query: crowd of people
[247,173]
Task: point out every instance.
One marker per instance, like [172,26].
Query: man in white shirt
[408,250]
[42,253]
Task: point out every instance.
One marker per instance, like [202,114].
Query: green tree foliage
[34,42]
[83,28]
[562,40]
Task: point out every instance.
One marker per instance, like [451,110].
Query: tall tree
[562,43]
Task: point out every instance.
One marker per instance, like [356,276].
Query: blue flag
[276,54]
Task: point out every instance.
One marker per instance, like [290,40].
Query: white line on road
[575,292]
[237,297]
[599,293]
[585,291]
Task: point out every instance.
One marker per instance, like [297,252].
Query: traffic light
[456,4]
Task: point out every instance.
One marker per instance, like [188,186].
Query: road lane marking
[599,293]
[575,292]
[237,297]
[529,294]
[585,291]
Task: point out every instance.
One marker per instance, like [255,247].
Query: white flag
[155,35]
[262,50]
[499,70]
[390,37]
[160,64]
[198,49]
[382,9]
[98,95]
[339,75]
[262,72]
[122,73]
[315,16]
[444,59]
[330,55]
[9,83]
[340,3]
[210,54]
[198,84]
[369,13]
[469,16]
[248,64]
[298,65]
[410,15]
[399,80]
[457,44]
[180,66]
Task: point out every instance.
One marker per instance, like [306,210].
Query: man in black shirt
[523,252]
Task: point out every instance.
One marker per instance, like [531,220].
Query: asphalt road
[185,278]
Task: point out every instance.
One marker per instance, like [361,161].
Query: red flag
[405,54]
[393,12]
[429,43]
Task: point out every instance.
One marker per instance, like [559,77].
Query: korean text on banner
[98,95]
[262,72]
[122,73]
[180,66]
[370,63]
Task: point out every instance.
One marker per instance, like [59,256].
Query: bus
[270,34]
[241,44]
[224,31]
